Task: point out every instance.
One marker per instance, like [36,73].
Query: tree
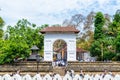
[114,34]
[1,35]
[118,43]
[14,49]
[86,36]
[1,26]
[85,25]
[99,23]
[116,27]
[95,49]
[27,31]
[108,34]
[21,38]
[99,37]
[117,17]
[75,21]
[1,22]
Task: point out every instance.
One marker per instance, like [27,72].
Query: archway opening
[60,52]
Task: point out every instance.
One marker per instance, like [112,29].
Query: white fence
[58,77]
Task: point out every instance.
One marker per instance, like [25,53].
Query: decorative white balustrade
[58,77]
[117,77]
[6,77]
[16,77]
[77,77]
[37,77]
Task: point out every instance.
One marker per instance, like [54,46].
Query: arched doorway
[60,51]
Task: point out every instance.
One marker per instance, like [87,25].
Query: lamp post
[37,60]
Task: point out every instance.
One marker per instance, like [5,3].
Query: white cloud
[52,11]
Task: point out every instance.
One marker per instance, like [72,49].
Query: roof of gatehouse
[60,29]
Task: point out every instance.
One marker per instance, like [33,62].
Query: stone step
[59,70]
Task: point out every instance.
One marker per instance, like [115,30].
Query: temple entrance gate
[67,34]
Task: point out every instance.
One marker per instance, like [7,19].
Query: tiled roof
[59,29]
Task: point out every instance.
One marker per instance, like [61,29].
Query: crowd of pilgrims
[82,74]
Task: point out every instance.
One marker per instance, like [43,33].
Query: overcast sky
[52,11]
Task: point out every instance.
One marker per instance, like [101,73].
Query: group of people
[59,63]
[72,73]
[82,74]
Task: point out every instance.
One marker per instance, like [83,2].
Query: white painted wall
[69,38]
[88,58]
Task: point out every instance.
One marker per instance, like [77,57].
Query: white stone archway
[51,34]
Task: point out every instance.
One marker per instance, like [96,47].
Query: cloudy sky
[52,11]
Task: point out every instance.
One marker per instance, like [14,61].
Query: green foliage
[95,49]
[118,43]
[117,28]
[1,33]
[21,38]
[114,33]
[27,32]
[1,26]
[108,38]
[13,49]
[117,57]
[108,55]
[99,23]
[117,16]
[1,22]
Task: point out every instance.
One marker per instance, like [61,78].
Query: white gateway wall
[69,38]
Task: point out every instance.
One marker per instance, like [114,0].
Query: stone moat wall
[46,67]
[26,67]
[94,66]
